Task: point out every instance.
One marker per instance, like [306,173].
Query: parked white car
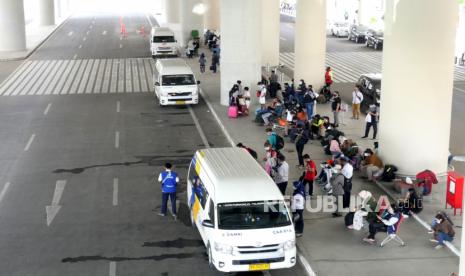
[340,29]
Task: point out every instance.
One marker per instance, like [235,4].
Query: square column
[12,26]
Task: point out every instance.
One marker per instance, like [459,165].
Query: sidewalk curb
[300,256]
[33,49]
[419,220]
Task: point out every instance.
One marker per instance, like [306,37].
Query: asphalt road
[91,159]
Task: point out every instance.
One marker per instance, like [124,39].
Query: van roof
[236,176]
[173,66]
[162,31]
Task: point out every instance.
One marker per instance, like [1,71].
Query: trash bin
[195,34]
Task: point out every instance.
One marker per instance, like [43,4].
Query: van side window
[211,211]
[197,186]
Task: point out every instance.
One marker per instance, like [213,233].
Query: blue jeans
[441,237]
[309,107]
[164,202]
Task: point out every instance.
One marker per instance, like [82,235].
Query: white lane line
[104,33]
[117,139]
[118,106]
[28,145]
[84,38]
[121,46]
[70,33]
[121,38]
[87,32]
[47,109]
[75,56]
[199,128]
[305,264]
[282,38]
[4,190]
[115,191]
[90,27]
[459,89]
[80,46]
[112,269]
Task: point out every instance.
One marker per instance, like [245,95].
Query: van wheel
[356,39]
[192,218]
[375,46]
[210,258]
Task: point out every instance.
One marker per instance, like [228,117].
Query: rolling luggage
[232,111]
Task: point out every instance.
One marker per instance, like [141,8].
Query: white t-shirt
[357,97]
[298,202]
[347,171]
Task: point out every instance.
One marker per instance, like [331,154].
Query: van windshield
[252,215]
[178,80]
[160,39]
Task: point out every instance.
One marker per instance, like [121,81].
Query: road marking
[112,269]
[53,209]
[117,139]
[28,145]
[84,38]
[104,33]
[75,56]
[459,89]
[70,33]
[149,19]
[118,106]
[115,191]
[47,109]
[282,38]
[121,38]
[305,264]
[90,27]
[4,190]
[88,32]
[121,46]
[199,129]
[80,46]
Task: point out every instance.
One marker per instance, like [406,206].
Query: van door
[200,209]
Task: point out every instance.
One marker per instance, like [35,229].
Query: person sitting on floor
[411,203]
[386,223]
[372,166]
[443,231]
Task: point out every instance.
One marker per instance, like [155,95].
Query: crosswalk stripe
[80,76]
[348,66]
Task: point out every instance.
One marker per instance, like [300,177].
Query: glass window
[253,215]
[161,39]
[211,212]
[178,80]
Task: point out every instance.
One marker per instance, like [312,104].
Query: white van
[239,212]
[162,42]
[175,83]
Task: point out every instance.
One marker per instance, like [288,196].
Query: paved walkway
[330,248]
[35,36]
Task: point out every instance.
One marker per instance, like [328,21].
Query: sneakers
[430,231]
[298,235]
[439,246]
[175,217]
[351,227]
[433,241]
[161,214]
[363,137]
[371,241]
[405,215]
[335,215]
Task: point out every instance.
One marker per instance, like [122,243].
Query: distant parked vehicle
[374,39]
[370,86]
[357,33]
[340,29]
[163,43]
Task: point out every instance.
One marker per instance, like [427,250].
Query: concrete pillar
[172,11]
[12,25]
[417,86]
[58,8]
[240,44]
[212,16]
[310,42]
[46,12]
[361,15]
[270,32]
[190,20]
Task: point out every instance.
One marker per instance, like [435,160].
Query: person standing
[272,137]
[273,79]
[309,174]
[300,141]
[215,61]
[169,180]
[281,175]
[328,77]
[357,98]
[262,94]
[336,107]
[270,158]
[371,120]
[202,62]
[309,101]
[297,207]
[347,171]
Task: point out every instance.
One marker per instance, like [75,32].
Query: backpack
[309,97]
[389,173]
[279,142]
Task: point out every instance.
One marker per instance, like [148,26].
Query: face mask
[438,221]
[267,149]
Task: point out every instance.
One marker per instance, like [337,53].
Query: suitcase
[232,111]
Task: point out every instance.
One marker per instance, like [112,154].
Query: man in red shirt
[309,174]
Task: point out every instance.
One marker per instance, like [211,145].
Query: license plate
[180,102]
[258,267]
